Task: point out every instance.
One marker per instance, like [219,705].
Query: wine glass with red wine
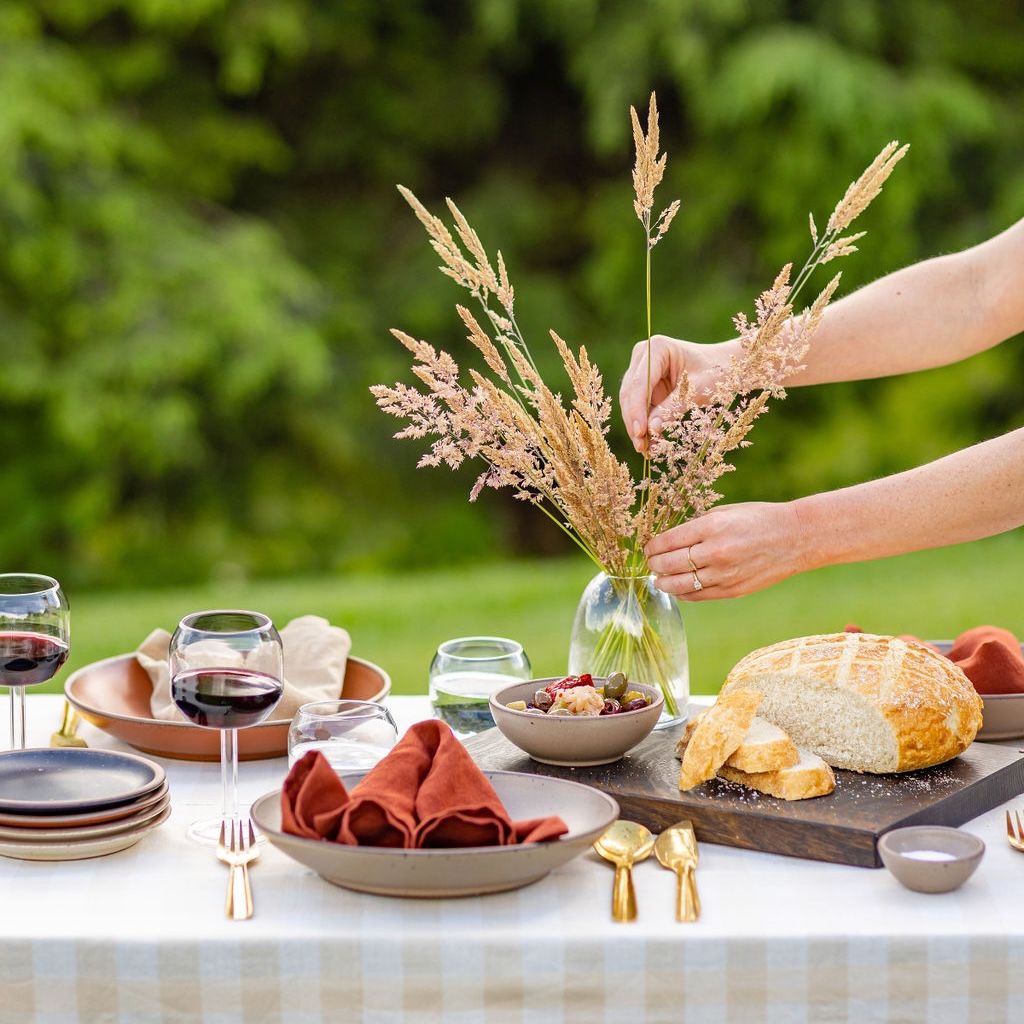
[226,672]
[35,638]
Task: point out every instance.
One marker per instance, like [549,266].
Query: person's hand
[669,357]
[737,549]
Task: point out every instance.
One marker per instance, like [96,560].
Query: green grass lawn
[398,620]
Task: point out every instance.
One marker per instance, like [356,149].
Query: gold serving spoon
[676,849]
[624,844]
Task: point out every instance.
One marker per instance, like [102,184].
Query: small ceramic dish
[931,858]
[573,741]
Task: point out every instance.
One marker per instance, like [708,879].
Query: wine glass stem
[17,717]
[229,772]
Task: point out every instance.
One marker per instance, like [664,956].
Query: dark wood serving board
[842,827]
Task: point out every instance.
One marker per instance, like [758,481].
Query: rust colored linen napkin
[427,792]
[989,656]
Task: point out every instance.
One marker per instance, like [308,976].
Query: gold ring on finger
[697,585]
[689,558]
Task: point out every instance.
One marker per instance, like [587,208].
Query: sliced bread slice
[765,747]
[809,777]
[716,735]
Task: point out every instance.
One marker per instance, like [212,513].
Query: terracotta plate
[48,821]
[468,871]
[113,695]
[126,824]
[73,780]
[82,849]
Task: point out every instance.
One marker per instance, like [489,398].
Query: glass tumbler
[464,674]
[352,734]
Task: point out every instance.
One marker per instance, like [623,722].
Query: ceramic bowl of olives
[577,721]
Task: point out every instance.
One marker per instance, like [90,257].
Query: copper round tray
[114,694]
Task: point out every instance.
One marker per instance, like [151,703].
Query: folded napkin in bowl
[427,792]
[989,656]
[315,653]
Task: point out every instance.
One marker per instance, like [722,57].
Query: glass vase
[626,624]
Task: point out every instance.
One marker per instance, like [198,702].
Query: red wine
[225,698]
[30,658]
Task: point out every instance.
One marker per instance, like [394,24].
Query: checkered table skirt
[140,937]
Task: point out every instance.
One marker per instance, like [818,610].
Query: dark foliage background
[201,248]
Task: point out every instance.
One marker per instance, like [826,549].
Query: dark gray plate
[72,780]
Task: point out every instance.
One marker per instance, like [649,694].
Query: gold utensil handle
[623,894]
[247,891]
[239,898]
[687,900]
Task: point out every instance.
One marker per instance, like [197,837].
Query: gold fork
[238,850]
[1015,836]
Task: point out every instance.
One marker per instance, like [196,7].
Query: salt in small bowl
[931,858]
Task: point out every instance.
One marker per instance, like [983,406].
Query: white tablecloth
[141,937]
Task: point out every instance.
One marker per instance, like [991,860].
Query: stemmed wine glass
[35,638]
[226,671]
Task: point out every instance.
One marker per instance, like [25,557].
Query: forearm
[930,314]
[970,494]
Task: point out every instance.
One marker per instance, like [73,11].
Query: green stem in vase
[640,655]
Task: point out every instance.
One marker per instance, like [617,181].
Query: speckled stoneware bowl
[464,871]
[573,741]
[931,858]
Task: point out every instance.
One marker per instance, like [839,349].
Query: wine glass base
[206,831]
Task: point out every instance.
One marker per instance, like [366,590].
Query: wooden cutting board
[842,827]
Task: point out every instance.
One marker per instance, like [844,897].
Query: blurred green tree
[201,248]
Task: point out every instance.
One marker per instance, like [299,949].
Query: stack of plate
[72,803]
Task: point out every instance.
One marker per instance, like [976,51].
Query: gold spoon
[676,849]
[624,844]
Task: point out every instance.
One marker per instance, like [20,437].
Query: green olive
[615,688]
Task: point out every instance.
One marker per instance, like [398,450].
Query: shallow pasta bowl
[114,695]
[466,871]
[573,741]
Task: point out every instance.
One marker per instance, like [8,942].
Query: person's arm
[927,315]
[930,314]
[741,548]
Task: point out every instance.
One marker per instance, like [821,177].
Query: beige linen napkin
[315,653]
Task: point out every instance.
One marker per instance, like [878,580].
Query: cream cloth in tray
[315,653]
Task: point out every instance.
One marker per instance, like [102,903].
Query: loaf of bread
[863,702]
[764,748]
[718,732]
[809,777]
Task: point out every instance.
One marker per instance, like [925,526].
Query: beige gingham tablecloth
[141,937]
